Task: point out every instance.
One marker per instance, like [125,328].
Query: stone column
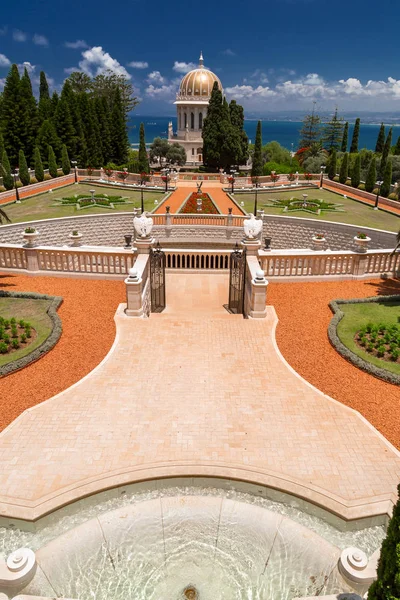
[360,264]
[136,285]
[252,246]
[32,259]
[256,290]
[144,244]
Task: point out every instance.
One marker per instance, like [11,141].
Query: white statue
[143,225]
[252,227]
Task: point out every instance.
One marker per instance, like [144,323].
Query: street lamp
[143,177]
[255,182]
[231,180]
[166,178]
[379,183]
[73,163]
[323,167]
[15,173]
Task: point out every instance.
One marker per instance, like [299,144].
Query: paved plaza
[195,391]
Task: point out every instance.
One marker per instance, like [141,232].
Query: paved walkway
[183,395]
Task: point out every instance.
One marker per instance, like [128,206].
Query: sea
[284,132]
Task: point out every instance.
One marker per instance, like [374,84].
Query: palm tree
[4,217]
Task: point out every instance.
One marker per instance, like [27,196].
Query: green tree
[44,93]
[230,142]
[104,120]
[371,175]
[396,151]
[333,133]
[387,584]
[106,84]
[52,163]
[387,180]
[274,152]
[332,165]
[47,136]
[79,150]
[64,125]
[44,108]
[385,153]
[1,146]
[28,116]
[345,138]
[211,131]
[356,172]
[38,165]
[119,136]
[10,115]
[257,166]
[91,131]
[176,154]
[143,161]
[159,150]
[23,169]
[344,168]
[380,142]
[79,82]
[65,164]
[311,130]
[354,139]
[54,103]
[6,172]
[236,114]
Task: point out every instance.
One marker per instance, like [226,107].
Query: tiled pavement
[195,391]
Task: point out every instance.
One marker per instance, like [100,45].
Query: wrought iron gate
[157,279]
[237,281]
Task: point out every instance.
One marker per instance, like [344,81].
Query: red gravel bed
[304,316]
[88,333]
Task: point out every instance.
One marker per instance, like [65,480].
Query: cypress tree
[44,93]
[28,116]
[380,142]
[345,137]
[53,104]
[354,140]
[143,161]
[385,153]
[8,181]
[65,164]
[119,136]
[79,151]
[91,130]
[344,168]
[371,175]
[356,172]
[387,180]
[397,147]
[230,146]
[387,584]
[64,126]
[23,169]
[47,136]
[103,118]
[1,146]
[257,166]
[38,165]
[211,132]
[10,115]
[52,163]
[332,165]
[44,107]
[236,114]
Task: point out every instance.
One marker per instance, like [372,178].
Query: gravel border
[48,343]
[349,354]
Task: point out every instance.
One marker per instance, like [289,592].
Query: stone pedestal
[252,246]
[32,260]
[258,299]
[144,244]
[360,263]
[134,301]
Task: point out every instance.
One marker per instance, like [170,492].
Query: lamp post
[231,180]
[379,183]
[255,181]
[143,177]
[73,163]
[165,178]
[323,167]
[15,173]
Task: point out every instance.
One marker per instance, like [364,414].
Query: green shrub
[6,324]
[370,347]
[394,355]
[28,332]
[47,177]
[21,323]
[23,338]
[15,344]
[2,188]
[363,341]
[336,178]
[34,180]
[1,333]
[6,338]
[361,187]
[393,196]
[348,181]
[3,348]
[14,333]
[381,351]
[13,320]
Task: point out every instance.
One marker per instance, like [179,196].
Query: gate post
[144,245]
[136,285]
[256,290]
[252,246]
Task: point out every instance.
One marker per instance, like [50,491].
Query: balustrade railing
[79,260]
[197,259]
[12,257]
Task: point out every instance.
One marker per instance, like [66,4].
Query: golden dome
[199,82]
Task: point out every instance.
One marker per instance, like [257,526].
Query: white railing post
[136,285]
[32,259]
[256,290]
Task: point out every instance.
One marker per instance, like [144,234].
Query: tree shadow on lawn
[386,287]
[4,284]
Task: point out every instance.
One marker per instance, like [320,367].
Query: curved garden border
[48,343]
[349,354]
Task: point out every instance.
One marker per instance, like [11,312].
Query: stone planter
[362,243]
[318,243]
[76,239]
[30,238]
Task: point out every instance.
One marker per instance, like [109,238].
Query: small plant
[75,232]
[22,323]
[381,351]
[319,236]
[394,355]
[1,332]
[14,333]
[23,338]
[6,324]
[13,320]
[363,341]
[28,332]
[370,347]
[3,348]
[361,236]
[30,230]
[15,344]
[6,338]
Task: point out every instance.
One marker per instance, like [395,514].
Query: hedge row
[346,352]
[48,344]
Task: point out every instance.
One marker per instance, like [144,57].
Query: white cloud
[19,36]
[4,61]
[2,83]
[138,64]
[156,78]
[40,40]
[183,67]
[70,70]
[229,52]
[96,61]
[165,92]
[76,45]
[248,91]
[28,66]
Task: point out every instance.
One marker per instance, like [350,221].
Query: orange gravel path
[26,192]
[351,194]
[220,198]
[87,315]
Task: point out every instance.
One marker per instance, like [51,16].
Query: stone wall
[109,230]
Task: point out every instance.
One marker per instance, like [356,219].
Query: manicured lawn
[358,315]
[355,212]
[33,311]
[45,207]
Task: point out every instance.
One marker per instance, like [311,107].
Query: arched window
[191,120]
[200,120]
[185,119]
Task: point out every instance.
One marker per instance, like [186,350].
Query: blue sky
[270,56]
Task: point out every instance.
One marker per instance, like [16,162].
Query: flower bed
[380,340]
[14,334]
[207,207]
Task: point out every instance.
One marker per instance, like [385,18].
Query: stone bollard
[18,570]
[134,301]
